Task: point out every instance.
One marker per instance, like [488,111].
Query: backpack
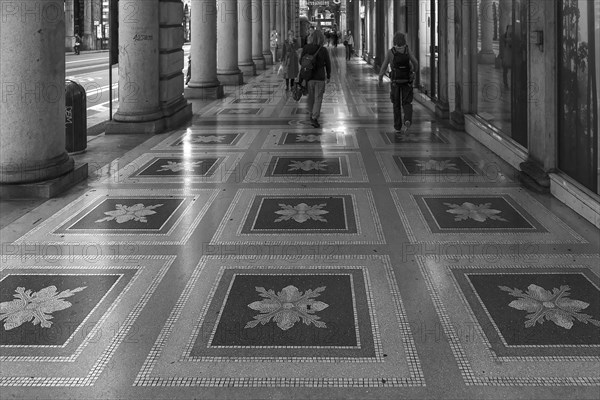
[308,65]
[400,67]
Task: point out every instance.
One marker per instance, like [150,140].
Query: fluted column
[204,83]
[32,109]
[266,32]
[486,54]
[257,35]
[228,72]
[245,63]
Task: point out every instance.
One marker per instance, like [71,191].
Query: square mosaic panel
[239,110]
[282,322]
[71,312]
[177,168]
[478,215]
[252,101]
[536,323]
[116,216]
[301,216]
[208,139]
[307,167]
[436,169]
[300,139]
[420,135]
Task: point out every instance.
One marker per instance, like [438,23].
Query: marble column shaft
[32,109]
[266,32]
[245,63]
[138,45]
[228,72]
[257,35]
[486,15]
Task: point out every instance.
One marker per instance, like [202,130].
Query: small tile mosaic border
[354,165]
[346,140]
[102,362]
[377,227]
[393,174]
[529,204]
[469,375]
[55,221]
[416,378]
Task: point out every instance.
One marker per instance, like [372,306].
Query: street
[91,71]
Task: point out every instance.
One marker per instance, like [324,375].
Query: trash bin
[75,117]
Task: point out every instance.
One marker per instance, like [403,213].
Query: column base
[46,189]
[167,122]
[442,110]
[248,70]
[204,93]
[457,120]
[486,58]
[37,171]
[259,63]
[268,58]
[235,79]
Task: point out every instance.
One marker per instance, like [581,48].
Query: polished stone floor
[250,255]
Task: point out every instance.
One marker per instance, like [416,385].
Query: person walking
[349,43]
[77,44]
[320,75]
[506,54]
[402,76]
[289,60]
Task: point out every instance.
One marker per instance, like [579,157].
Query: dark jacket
[323,70]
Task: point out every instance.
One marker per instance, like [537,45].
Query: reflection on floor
[251,255]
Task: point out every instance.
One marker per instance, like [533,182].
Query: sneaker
[405,127]
[315,123]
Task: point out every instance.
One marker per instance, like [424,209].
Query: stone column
[372,31]
[486,54]
[228,72]
[138,45]
[279,25]
[357,32]
[245,63]
[69,25]
[441,106]
[257,35]
[505,19]
[204,83]
[380,11]
[89,41]
[273,15]
[32,108]
[266,32]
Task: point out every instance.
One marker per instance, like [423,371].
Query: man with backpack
[315,68]
[401,77]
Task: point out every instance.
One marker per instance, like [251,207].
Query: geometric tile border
[436,140]
[479,365]
[393,173]
[178,141]
[336,139]
[399,367]
[419,226]
[96,350]
[181,223]
[352,168]
[238,228]
[218,173]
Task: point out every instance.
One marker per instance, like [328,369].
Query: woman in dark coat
[289,60]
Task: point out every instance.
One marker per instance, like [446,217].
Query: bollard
[75,118]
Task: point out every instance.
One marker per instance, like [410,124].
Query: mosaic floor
[250,255]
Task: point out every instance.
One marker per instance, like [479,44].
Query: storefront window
[428,46]
[579,74]
[502,66]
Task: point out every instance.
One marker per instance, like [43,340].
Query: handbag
[297,91]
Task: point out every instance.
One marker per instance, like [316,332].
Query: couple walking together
[321,73]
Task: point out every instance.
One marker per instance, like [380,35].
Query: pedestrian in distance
[77,45]
[400,59]
[319,74]
[290,61]
[349,43]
